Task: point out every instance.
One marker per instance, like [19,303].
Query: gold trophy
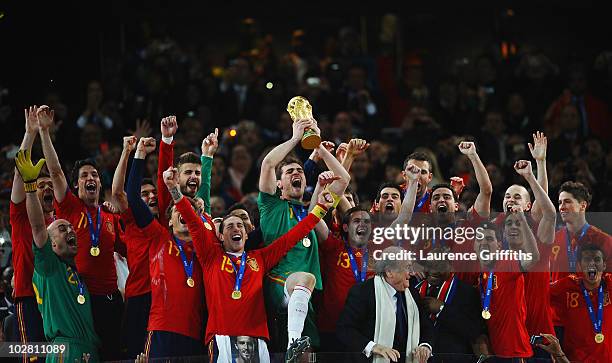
[299,108]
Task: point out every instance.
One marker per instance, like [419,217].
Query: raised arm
[165,160]
[203,238]
[209,147]
[129,142]
[405,215]
[324,179]
[529,244]
[337,186]
[483,200]
[267,178]
[538,152]
[45,124]
[29,173]
[546,227]
[354,147]
[142,214]
[31,129]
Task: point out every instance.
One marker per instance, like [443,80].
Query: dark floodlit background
[423,75]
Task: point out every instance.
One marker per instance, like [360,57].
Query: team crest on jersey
[109,227]
[252,263]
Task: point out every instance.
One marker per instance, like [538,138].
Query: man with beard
[502,286]
[344,262]
[235,295]
[63,299]
[28,321]
[574,199]
[454,309]
[189,166]
[97,231]
[582,304]
[138,284]
[176,316]
[297,274]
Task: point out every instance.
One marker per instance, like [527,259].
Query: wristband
[319,211]
[168,140]
[30,187]
[336,198]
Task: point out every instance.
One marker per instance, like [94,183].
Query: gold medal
[208,226]
[190,282]
[81,300]
[236,294]
[306,242]
[94,251]
[486,314]
[599,338]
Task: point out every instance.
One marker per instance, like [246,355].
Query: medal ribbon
[486,296]
[79,283]
[239,272]
[596,320]
[448,289]
[359,276]
[187,266]
[94,235]
[572,253]
[421,201]
[299,214]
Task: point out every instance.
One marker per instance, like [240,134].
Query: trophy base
[310,140]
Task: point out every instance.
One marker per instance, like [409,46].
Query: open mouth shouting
[91,187]
[591,273]
[181,220]
[296,181]
[236,237]
[71,240]
[361,231]
[389,207]
[48,197]
[442,208]
[152,203]
[192,185]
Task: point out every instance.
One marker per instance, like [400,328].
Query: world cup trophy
[299,108]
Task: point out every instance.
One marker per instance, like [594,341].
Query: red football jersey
[175,307]
[507,329]
[337,278]
[137,242]
[567,300]
[247,315]
[98,272]
[559,264]
[22,255]
[537,285]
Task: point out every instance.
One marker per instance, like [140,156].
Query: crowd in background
[398,102]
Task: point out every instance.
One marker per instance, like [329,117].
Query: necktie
[400,317]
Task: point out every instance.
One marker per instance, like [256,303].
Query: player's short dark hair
[74,174]
[418,155]
[493,227]
[235,206]
[289,159]
[147,181]
[590,247]
[171,206]
[346,218]
[445,185]
[578,190]
[387,185]
[226,216]
[188,158]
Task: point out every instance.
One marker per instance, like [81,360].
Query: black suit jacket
[355,328]
[460,322]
